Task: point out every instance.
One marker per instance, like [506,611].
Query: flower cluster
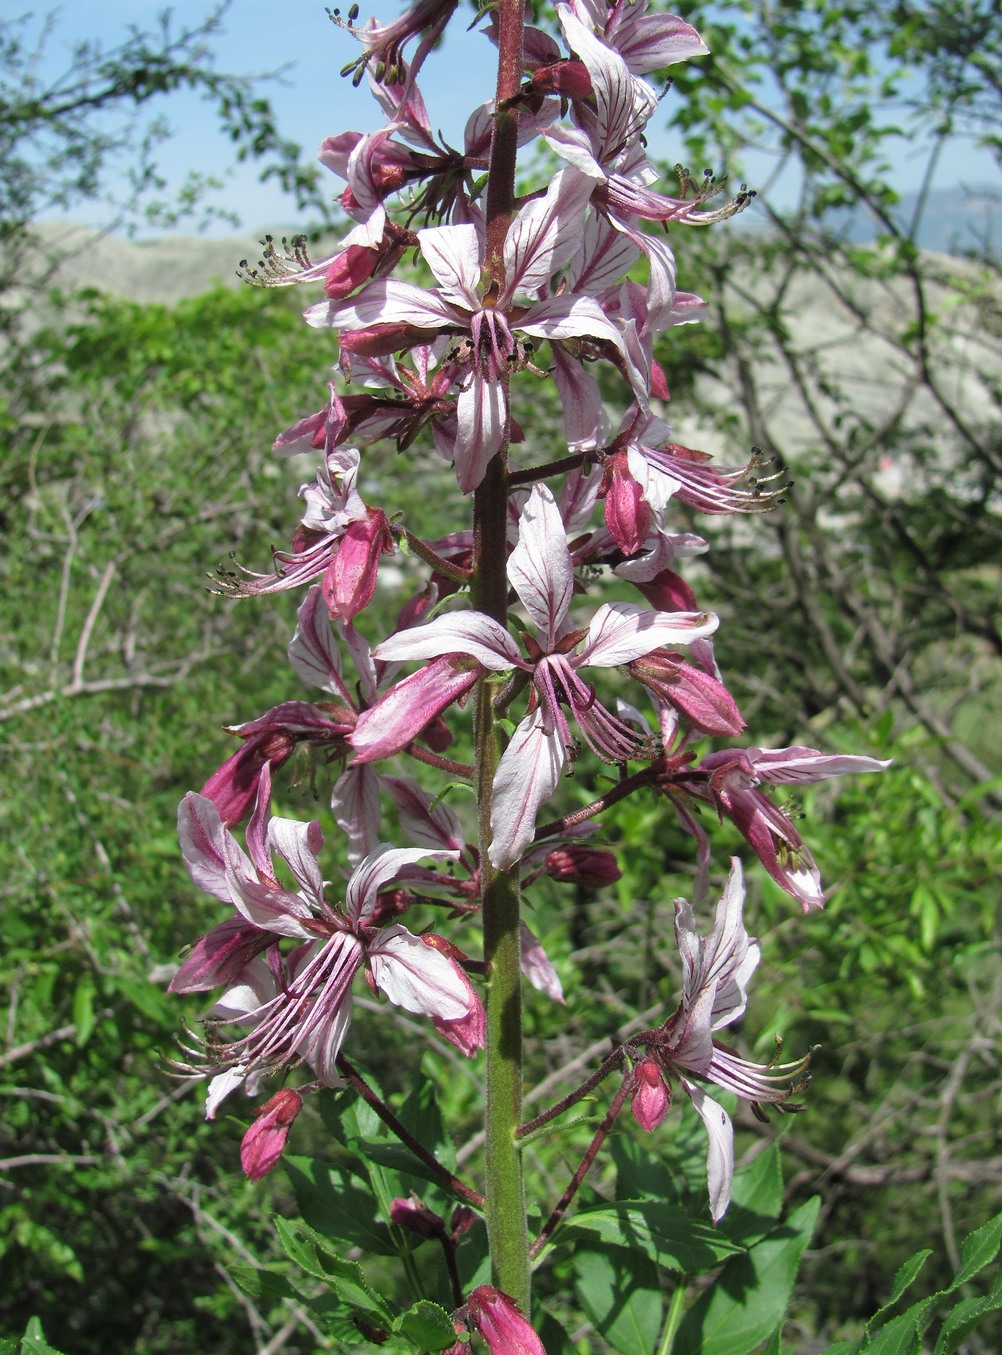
[541,287]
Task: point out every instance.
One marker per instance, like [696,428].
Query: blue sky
[313,101]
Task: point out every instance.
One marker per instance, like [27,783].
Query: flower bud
[264,1141]
[500,1323]
[589,867]
[652,1098]
[570,79]
[416,1217]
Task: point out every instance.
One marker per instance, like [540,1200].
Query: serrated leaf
[345,1277]
[748,1302]
[427,1325]
[977,1250]
[621,1294]
[905,1278]
[661,1232]
[300,1250]
[900,1336]
[337,1207]
[965,1317]
[262,1284]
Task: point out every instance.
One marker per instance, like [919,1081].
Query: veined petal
[210,851]
[480,417]
[540,567]
[622,631]
[453,253]
[276,910]
[357,811]
[385,301]
[399,716]
[473,633]
[313,651]
[526,777]
[574,146]
[571,317]
[719,1150]
[416,976]
[382,867]
[299,844]
[545,234]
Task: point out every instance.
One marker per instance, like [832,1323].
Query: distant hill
[959,221]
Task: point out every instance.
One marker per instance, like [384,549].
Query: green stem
[507,1230]
[676,1311]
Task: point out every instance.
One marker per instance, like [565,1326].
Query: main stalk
[505,1204]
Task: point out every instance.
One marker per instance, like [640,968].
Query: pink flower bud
[264,1141]
[704,701]
[350,581]
[567,78]
[627,512]
[585,866]
[416,1217]
[669,592]
[652,1098]
[350,269]
[500,1323]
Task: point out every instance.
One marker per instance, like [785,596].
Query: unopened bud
[264,1141]
[416,1217]
[588,867]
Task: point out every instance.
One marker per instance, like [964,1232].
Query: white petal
[540,567]
[416,976]
[453,253]
[622,631]
[720,1149]
[473,633]
[382,867]
[526,777]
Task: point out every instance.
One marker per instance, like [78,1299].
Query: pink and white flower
[298,1004]
[541,571]
[716,972]
[541,239]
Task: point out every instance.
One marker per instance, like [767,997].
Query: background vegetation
[861,616]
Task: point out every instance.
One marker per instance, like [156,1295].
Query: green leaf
[746,1305]
[756,1199]
[905,1278]
[966,1316]
[428,1326]
[661,1232]
[336,1206]
[977,1250]
[262,1284]
[83,1010]
[314,1254]
[33,1341]
[622,1296]
[641,1174]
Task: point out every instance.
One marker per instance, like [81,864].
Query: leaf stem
[356,1081]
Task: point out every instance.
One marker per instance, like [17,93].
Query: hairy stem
[505,1206]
